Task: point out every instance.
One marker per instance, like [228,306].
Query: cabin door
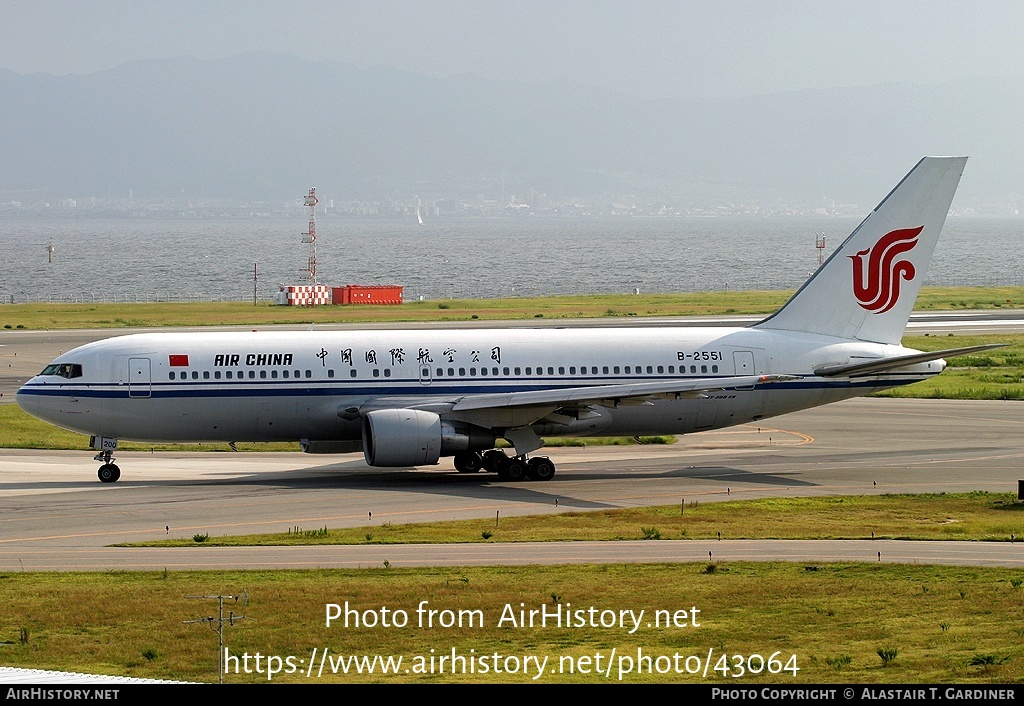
[140,384]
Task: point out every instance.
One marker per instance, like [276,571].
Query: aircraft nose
[27,402]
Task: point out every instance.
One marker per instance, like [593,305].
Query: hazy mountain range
[267,126]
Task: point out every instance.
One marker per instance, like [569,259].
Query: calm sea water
[150,259]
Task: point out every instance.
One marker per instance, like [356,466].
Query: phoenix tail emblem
[877,273]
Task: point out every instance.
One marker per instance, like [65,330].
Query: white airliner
[408,397]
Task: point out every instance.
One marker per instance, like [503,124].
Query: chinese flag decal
[179,361]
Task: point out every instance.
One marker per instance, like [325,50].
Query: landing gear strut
[109,472]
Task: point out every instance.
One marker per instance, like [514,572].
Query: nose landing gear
[109,472]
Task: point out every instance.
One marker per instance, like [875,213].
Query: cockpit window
[65,370]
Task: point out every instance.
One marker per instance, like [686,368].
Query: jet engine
[413,437]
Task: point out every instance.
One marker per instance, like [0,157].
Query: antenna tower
[309,237]
[819,243]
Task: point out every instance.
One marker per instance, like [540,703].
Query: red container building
[367,294]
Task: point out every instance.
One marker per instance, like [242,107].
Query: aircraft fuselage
[286,386]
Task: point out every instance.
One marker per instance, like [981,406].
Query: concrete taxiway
[54,514]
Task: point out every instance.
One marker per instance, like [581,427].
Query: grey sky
[652,48]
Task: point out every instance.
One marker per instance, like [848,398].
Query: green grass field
[828,623]
[824,623]
[106,315]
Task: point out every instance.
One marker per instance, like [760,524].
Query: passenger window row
[572,370]
[439,372]
[241,375]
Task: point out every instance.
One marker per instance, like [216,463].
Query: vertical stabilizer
[867,287]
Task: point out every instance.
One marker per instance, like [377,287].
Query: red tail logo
[877,275]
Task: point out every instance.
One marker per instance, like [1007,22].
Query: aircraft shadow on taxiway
[737,475]
[354,475]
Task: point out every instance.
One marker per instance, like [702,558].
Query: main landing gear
[513,468]
[109,472]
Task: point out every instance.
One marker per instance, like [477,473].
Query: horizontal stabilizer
[882,364]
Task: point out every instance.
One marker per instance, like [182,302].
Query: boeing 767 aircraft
[407,398]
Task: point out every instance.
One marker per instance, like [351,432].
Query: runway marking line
[749,428]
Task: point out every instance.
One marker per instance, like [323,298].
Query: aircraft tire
[108,473]
[493,460]
[540,468]
[468,462]
[514,470]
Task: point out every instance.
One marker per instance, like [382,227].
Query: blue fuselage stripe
[399,387]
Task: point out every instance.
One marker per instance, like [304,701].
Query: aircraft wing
[514,412]
[614,394]
[628,393]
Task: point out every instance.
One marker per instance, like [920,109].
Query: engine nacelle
[401,437]
[413,437]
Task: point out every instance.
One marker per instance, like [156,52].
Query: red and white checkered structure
[303,295]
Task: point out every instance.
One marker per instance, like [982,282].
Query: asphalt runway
[55,515]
